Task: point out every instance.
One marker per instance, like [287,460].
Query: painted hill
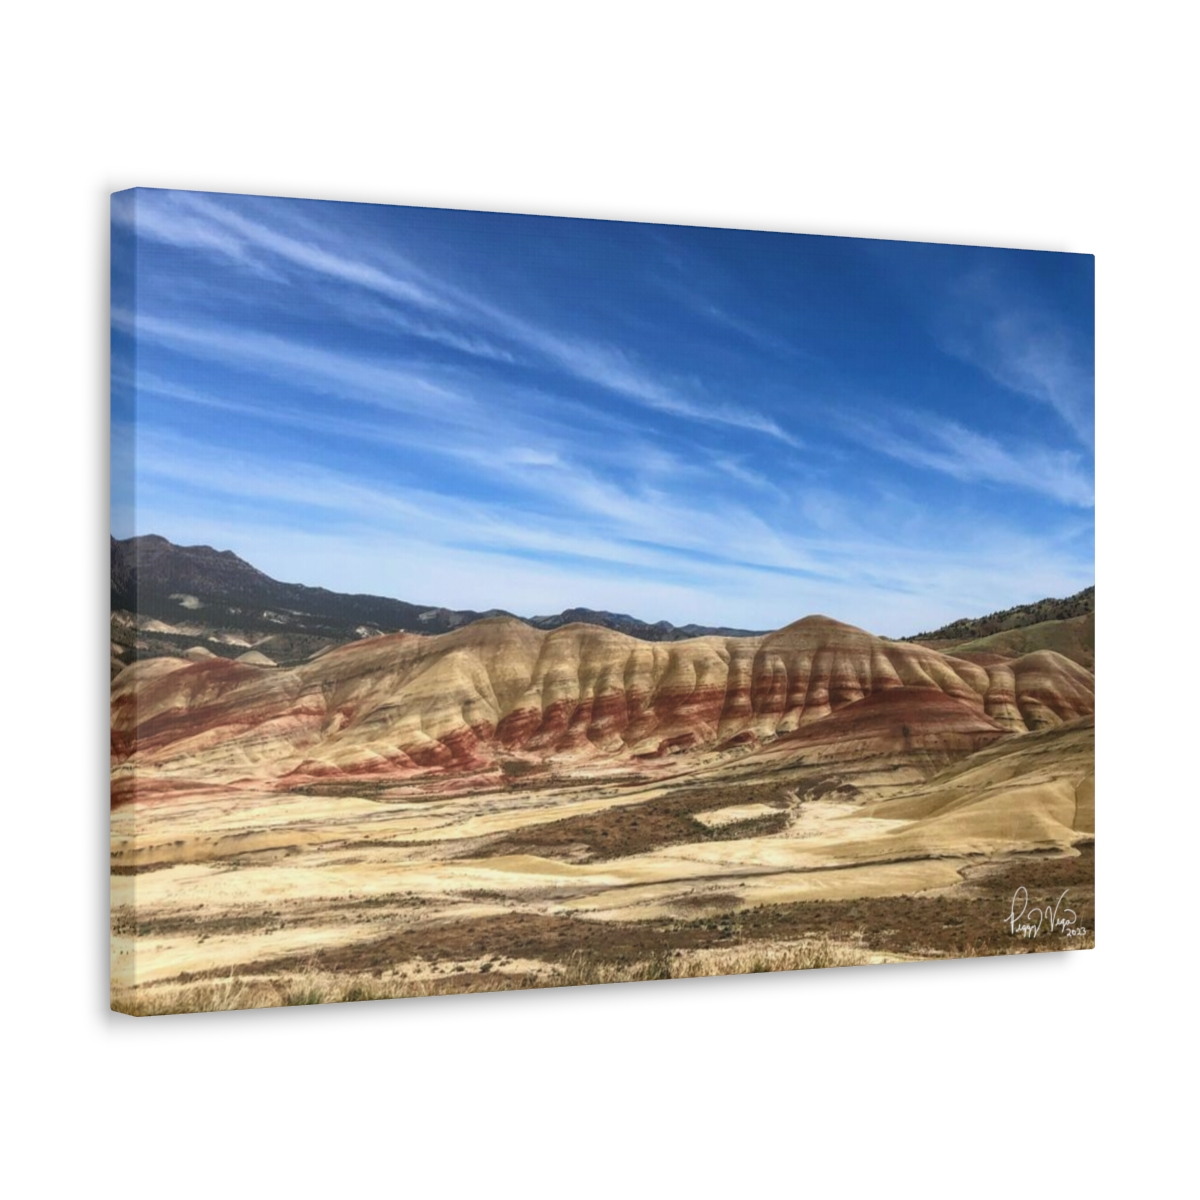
[499,691]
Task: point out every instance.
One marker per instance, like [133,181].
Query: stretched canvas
[509,601]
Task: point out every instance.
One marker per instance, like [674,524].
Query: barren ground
[349,892]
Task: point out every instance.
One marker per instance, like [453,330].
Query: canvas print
[506,602]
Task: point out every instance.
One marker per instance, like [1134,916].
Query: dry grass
[290,991]
[578,970]
[749,960]
[222,996]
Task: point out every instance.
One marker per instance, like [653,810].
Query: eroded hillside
[499,692]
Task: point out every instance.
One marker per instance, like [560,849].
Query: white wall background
[1054,126]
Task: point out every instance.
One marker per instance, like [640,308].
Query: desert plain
[500,806]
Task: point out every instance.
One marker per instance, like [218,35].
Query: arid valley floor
[499,806]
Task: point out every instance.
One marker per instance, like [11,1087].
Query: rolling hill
[499,691]
[969,629]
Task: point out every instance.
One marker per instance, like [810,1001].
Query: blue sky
[482,410]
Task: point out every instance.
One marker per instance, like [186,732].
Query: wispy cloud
[933,443]
[380,315]
[736,469]
[190,219]
[379,383]
[616,370]
[193,220]
[161,217]
[1039,362]
[692,291]
[1024,347]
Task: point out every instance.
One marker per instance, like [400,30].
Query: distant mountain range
[166,598]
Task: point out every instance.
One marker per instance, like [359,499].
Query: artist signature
[1029,922]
